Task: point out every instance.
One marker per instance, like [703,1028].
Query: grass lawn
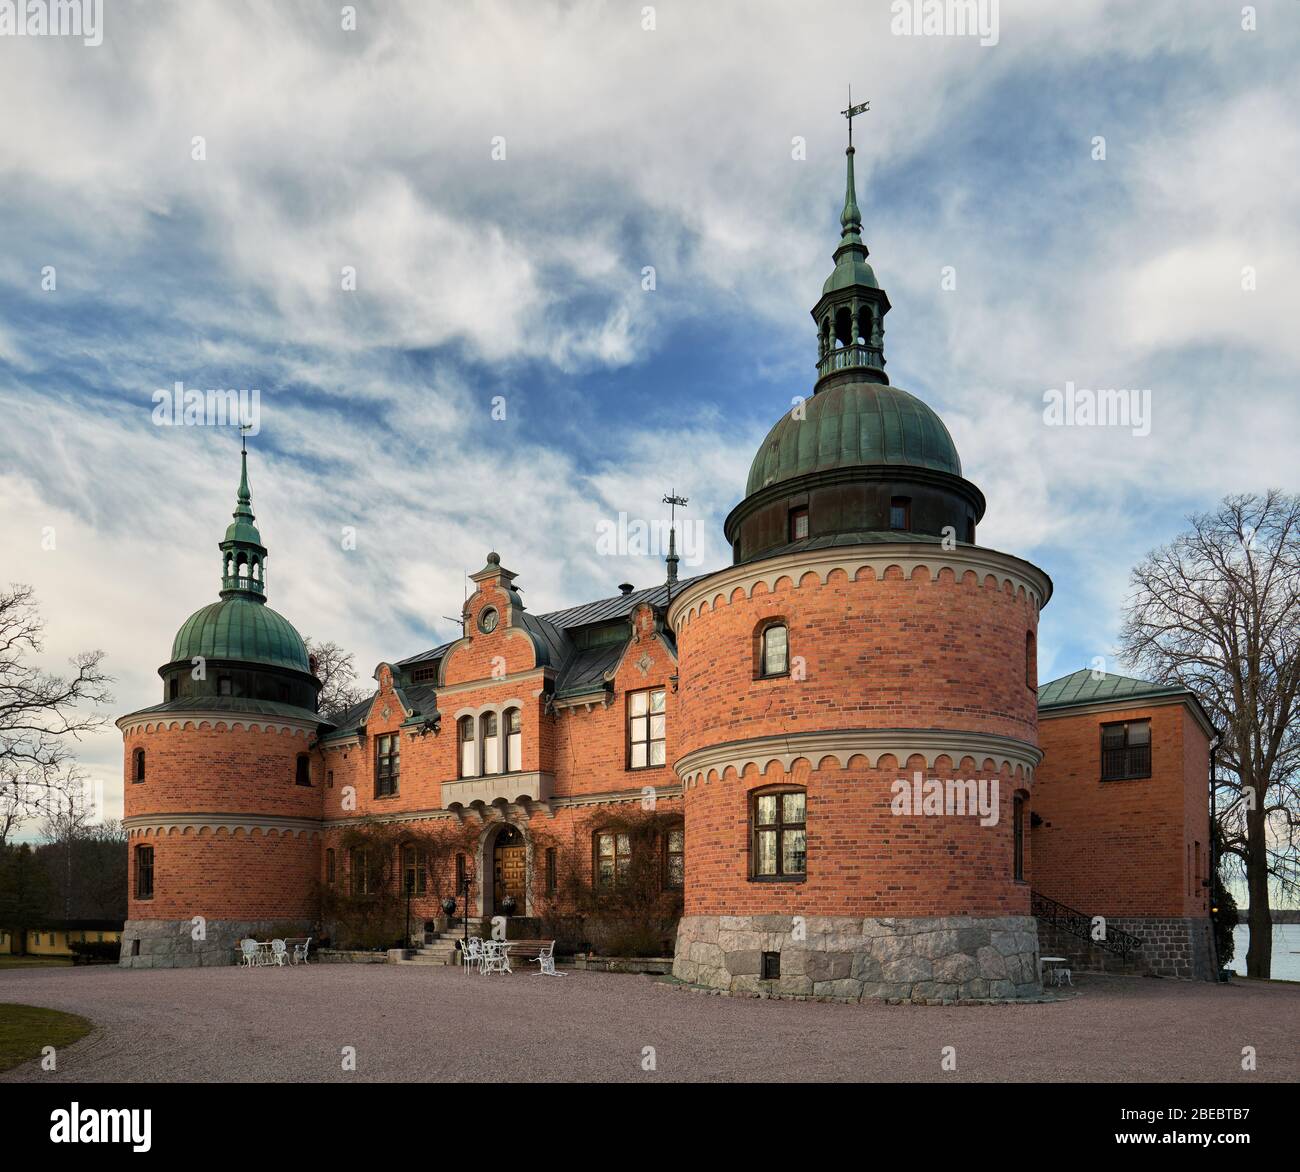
[25,1030]
[8,961]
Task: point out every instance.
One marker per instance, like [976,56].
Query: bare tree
[39,713]
[1218,610]
[333,667]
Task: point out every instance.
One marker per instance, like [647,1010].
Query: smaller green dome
[854,423]
[243,529]
[850,270]
[241,629]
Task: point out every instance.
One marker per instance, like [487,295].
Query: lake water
[1286,951]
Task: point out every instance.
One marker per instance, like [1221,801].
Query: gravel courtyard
[414,1023]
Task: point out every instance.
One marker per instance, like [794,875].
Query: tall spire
[243,556]
[850,314]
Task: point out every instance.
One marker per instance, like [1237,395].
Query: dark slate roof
[585,672]
[1081,688]
[429,656]
[619,607]
[554,647]
[236,705]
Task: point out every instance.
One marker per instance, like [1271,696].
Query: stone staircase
[441,947]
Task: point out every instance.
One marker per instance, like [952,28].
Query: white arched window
[491,743]
[514,741]
[468,744]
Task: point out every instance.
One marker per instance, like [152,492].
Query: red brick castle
[830,763]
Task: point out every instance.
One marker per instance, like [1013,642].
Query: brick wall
[888,653]
[894,653]
[1120,848]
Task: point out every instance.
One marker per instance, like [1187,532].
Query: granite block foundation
[921,959]
[170,944]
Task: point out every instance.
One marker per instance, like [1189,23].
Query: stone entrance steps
[442,948]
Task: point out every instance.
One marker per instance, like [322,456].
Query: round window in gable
[487,621]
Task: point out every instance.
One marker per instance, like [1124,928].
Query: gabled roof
[420,698]
[1086,687]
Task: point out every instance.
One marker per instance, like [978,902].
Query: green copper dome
[241,629]
[854,423]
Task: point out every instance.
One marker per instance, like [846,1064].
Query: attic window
[798,524]
[900,513]
[487,621]
[424,674]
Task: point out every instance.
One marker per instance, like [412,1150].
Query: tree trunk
[1259,956]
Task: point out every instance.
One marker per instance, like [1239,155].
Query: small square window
[771,966]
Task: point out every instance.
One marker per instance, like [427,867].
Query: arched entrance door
[509,868]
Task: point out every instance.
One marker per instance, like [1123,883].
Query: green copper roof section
[850,424]
[1086,687]
[242,629]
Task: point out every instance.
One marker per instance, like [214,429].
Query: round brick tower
[858,711]
[221,805]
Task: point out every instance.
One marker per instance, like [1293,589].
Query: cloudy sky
[517,282]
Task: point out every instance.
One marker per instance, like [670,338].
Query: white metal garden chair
[248,950]
[300,951]
[472,953]
[496,957]
[546,958]
[279,952]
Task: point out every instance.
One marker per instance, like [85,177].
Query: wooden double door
[509,872]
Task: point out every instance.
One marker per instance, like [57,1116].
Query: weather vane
[244,429]
[853,111]
[674,500]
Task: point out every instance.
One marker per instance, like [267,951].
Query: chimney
[625,587]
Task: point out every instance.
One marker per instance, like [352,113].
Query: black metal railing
[1075,922]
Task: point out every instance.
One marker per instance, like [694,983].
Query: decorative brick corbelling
[197,823]
[1006,572]
[196,720]
[842,745]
